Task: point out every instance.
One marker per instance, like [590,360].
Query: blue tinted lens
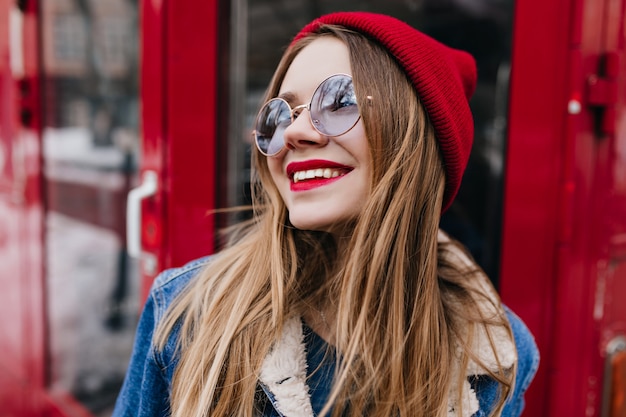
[273,119]
[334,109]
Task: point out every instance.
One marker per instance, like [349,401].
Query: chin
[309,225]
[333,227]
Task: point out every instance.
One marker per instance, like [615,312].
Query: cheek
[360,149]
[275,168]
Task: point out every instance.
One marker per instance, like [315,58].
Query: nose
[301,133]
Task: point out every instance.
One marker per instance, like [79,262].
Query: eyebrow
[289,97]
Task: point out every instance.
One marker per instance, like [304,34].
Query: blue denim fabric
[146,388]
[528,362]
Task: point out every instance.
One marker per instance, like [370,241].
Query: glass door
[90,141]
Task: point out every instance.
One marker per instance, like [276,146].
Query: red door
[74,141]
[564,240]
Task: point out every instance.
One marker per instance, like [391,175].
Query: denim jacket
[146,388]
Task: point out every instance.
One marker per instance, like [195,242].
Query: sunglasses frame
[293,110]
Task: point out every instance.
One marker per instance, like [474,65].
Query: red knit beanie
[444,78]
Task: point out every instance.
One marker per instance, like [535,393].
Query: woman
[341,296]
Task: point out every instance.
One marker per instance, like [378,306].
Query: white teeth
[315,173]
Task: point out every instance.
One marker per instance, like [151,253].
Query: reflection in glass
[90,145]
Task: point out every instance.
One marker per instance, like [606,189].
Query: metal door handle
[147,189]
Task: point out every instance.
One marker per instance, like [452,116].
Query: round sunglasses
[333,111]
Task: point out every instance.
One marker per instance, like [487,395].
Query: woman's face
[339,166]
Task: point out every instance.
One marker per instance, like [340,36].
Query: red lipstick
[314,164]
[306,175]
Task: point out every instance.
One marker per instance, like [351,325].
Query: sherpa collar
[283,372]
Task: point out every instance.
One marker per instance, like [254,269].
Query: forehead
[318,60]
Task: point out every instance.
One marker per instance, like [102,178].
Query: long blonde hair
[403,308]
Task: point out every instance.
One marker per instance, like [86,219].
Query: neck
[320,313]
[321,321]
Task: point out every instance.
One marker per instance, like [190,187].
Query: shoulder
[171,282]
[486,388]
[148,378]
[168,285]
[175,276]
[527,352]
[527,364]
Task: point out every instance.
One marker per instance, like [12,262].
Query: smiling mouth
[315,173]
[311,174]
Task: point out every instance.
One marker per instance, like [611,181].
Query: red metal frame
[533,168]
[22,310]
[179,115]
[564,224]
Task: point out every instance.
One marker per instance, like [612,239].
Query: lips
[306,175]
